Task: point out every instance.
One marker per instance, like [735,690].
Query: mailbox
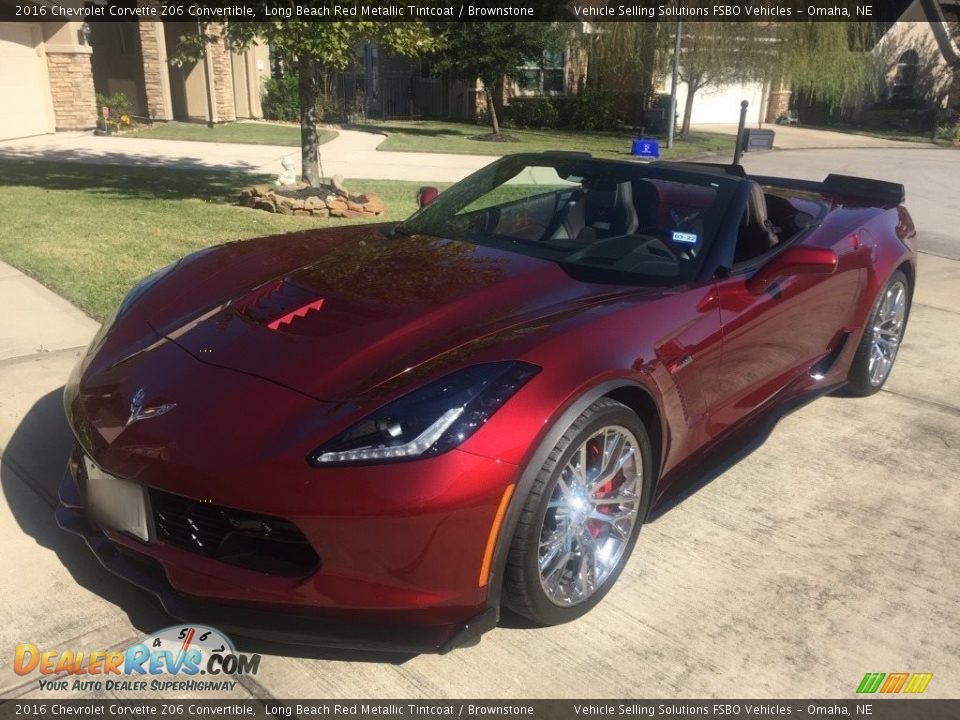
[757,139]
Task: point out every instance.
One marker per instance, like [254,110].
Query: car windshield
[603,221]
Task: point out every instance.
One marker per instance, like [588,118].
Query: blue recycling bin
[645,147]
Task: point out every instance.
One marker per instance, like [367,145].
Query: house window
[545,77]
[904,82]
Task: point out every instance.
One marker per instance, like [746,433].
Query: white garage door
[24,88]
[722,105]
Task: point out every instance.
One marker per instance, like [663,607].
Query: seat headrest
[756,205]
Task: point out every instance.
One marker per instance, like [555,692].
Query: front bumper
[401,548]
[267,624]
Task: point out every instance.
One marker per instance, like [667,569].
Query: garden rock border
[320,201]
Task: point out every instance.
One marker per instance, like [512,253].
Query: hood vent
[278,304]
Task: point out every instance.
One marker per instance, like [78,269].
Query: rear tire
[881,339]
[581,519]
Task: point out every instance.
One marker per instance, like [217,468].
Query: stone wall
[71,87]
[778,104]
[222,71]
[155,78]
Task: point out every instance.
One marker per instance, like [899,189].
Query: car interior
[757,233]
[646,225]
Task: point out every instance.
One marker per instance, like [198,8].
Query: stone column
[220,76]
[71,86]
[156,74]
[70,70]
[253,83]
[778,104]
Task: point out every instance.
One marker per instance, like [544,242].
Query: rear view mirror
[426,195]
[794,261]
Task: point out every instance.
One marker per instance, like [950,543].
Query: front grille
[258,542]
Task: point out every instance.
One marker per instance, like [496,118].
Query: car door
[774,334]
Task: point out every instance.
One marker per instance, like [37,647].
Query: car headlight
[430,420]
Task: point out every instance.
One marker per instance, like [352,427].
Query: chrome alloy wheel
[887,332]
[590,516]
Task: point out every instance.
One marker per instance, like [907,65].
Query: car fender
[531,469]
[889,239]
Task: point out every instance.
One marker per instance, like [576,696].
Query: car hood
[334,314]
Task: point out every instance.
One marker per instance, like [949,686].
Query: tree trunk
[494,121]
[309,142]
[688,109]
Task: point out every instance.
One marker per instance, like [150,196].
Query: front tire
[881,338]
[582,516]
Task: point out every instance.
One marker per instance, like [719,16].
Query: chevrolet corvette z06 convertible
[376,436]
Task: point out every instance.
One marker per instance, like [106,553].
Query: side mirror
[426,195]
[794,261]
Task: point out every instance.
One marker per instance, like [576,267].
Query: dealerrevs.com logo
[894,683]
[188,658]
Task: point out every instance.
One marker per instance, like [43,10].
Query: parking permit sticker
[684,237]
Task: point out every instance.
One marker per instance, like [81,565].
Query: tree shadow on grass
[466,132]
[34,462]
[164,179]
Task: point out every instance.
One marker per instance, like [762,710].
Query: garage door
[24,89]
[722,105]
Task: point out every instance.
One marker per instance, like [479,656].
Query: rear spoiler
[879,192]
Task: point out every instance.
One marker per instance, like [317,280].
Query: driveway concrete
[827,552]
[790,137]
[931,178]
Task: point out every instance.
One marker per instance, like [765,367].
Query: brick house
[53,70]
[386,85]
[917,56]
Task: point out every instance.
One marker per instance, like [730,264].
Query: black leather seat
[757,233]
[604,209]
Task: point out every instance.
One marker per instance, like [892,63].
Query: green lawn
[247,133]
[90,232]
[449,137]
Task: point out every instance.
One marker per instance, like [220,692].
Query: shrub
[531,112]
[281,98]
[120,115]
[950,133]
[119,104]
[600,110]
[329,109]
[594,110]
[888,118]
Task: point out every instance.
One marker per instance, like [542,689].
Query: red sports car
[375,436]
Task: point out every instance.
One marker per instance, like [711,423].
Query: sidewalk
[352,154]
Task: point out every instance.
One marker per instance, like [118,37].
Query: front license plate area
[117,504]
